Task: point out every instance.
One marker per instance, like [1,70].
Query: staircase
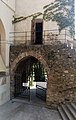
[67,111]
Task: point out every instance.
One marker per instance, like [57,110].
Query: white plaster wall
[9,3]
[7,9]
[6,16]
[28,7]
[4,90]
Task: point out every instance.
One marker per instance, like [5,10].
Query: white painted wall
[4,91]
[7,9]
[28,7]
[6,16]
[9,3]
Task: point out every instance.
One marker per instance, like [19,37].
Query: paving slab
[24,111]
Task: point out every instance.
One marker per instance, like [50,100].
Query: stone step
[73,105]
[67,111]
[62,113]
[71,109]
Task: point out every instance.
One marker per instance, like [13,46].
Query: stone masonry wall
[60,64]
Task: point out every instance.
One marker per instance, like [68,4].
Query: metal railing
[46,37]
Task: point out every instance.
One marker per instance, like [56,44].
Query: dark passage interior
[30,79]
[37,31]
[39,28]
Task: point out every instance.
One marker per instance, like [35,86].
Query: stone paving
[27,111]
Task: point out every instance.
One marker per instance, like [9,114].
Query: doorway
[37,31]
[38,39]
[30,80]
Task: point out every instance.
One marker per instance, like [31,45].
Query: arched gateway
[29,69]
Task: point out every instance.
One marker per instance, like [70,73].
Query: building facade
[31,43]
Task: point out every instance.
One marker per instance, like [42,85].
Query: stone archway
[25,55]
[2,30]
[2,39]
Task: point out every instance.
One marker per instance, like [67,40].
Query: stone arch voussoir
[25,55]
